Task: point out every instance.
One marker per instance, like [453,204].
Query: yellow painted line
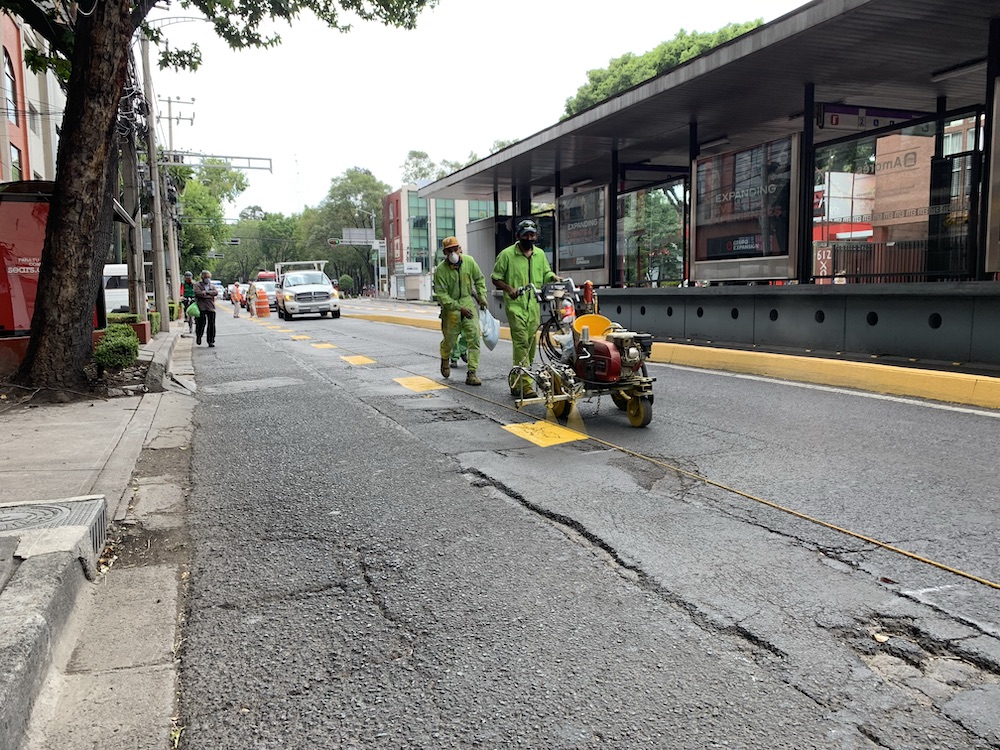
[358,359]
[420,384]
[544,434]
[301,337]
[278,328]
[324,346]
[953,387]
[433,325]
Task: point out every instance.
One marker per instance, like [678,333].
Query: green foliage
[630,70]
[154,323]
[118,349]
[202,226]
[122,318]
[222,181]
[418,166]
[346,284]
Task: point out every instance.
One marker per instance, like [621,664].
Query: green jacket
[518,271]
[455,288]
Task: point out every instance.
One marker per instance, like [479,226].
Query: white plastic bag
[490,327]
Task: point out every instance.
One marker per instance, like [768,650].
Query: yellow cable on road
[726,488]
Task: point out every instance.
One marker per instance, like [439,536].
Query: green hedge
[154,323]
[118,349]
[122,318]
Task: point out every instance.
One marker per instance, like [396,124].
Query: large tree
[630,70]
[96,44]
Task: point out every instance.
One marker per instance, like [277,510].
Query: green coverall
[523,314]
[455,288]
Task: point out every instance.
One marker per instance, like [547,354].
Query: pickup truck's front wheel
[288,315]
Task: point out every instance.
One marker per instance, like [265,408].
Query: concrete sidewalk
[66,473]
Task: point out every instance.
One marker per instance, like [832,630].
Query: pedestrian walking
[187,298]
[518,266]
[205,293]
[460,288]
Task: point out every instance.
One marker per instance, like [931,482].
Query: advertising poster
[581,231]
[744,203]
[22,234]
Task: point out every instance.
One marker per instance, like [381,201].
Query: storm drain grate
[90,511]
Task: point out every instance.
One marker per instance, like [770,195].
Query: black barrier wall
[931,322]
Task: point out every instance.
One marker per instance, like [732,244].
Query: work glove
[466,312]
[482,304]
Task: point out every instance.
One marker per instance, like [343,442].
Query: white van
[116,287]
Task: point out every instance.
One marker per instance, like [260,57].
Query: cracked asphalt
[374,566]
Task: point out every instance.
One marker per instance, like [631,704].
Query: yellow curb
[953,387]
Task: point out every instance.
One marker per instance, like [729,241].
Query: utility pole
[131,204]
[160,295]
[173,249]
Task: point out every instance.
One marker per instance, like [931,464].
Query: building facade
[33,108]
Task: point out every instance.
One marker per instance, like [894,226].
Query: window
[15,163]
[34,121]
[480,210]
[9,88]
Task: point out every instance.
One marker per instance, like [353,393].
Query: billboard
[22,234]
[582,241]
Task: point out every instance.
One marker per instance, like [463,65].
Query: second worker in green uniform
[517,266]
[460,289]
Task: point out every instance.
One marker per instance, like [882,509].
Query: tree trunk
[78,234]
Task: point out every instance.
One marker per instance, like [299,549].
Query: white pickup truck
[304,288]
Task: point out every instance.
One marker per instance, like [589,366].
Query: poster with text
[582,244]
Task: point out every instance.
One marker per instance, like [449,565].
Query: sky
[323,101]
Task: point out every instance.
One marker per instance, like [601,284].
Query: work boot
[471,379]
[445,367]
[454,362]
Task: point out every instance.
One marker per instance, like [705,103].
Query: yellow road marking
[420,384]
[358,360]
[301,337]
[544,434]
[278,328]
[324,346]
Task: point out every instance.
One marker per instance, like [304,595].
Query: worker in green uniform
[460,289]
[517,266]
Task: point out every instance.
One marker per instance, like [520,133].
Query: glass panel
[744,200]
[651,234]
[887,210]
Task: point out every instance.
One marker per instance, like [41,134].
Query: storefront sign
[581,231]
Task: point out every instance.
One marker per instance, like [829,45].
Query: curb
[162,352]
[936,385]
[36,604]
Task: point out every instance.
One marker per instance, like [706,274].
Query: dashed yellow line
[358,359]
[301,337]
[420,384]
[324,346]
[544,434]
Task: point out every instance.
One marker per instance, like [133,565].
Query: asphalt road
[380,564]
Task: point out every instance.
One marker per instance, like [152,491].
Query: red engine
[598,361]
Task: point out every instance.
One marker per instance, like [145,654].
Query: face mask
[453,258]
[527,244]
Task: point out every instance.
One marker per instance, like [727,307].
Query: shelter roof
[890,54]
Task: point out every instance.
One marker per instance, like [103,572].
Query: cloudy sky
[324,102]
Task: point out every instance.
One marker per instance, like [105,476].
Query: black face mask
[527,244]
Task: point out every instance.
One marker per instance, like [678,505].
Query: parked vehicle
[116,287]
[303,288]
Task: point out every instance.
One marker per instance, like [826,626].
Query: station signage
[858,119]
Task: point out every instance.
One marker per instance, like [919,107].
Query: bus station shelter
[844,156]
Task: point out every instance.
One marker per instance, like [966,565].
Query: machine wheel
[561,409]
[640,411]
[645,374]
[620,399]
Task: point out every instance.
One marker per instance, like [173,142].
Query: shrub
[122,318]
[154,323]
[118,349]
[346,283]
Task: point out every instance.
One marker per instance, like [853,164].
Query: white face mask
[453,258]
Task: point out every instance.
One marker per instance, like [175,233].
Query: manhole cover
[88,511]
